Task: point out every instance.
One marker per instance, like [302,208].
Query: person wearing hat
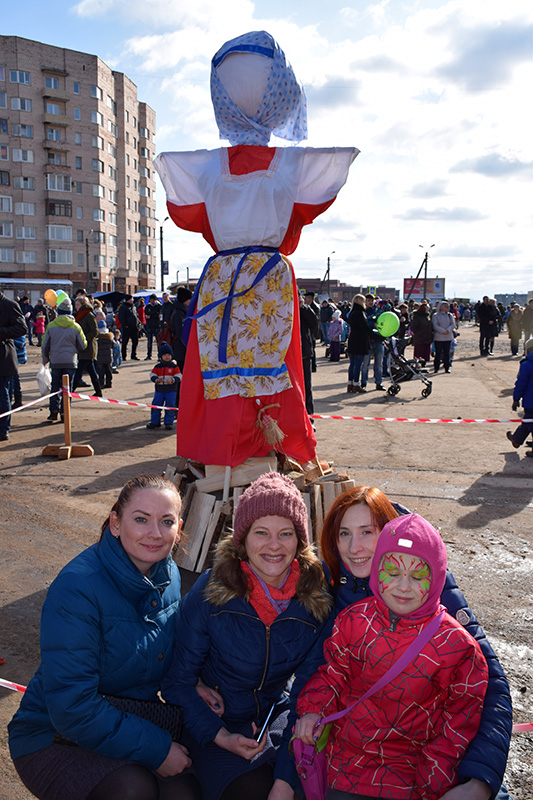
[63,341]
[129,325]
[523,390]
[152,325]
[408,738]
[104,355]
[166,375]
[260,615]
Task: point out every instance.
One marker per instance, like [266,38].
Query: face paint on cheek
[422,573]
[387,572]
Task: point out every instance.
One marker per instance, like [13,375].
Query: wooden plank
[328,494]
[236,497]
[346,485]
[318,515]
[210,532]
[187,500]
[307,501]
[240,476]
[270,464]
[195,528]
[338,488]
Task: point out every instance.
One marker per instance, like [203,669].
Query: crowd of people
[269,632]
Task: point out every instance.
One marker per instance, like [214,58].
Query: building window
[3,100]
[59,233]
[77,138]
[98,215]
[20,182]
[79,187]
[53,108]
[6,204]
[113,262]
[111,104]
[6,230]
[77,114]
[19,77]
[98,261]
[4,152]
[60,256]
[59,208]
[51,83]
[78,162]
[98,191]
[76,87]
[26,257]
[135,184]
[58,159]
[54,135]
[7,255]
[144,172]
[97,141]
[25,232]
[24,131]
[145,191]
[127,140]
[113,240]
[97,117]
[3,125]
[80,260]
[79,212]
[112,128]
[111,149]
[96,92]
[58,183]
[144,152]
[144,132]
[98,237]
[23,155]
[4,177]
[20,104]
[27,209]
[79,236]
[113,196]
[112,172]
[134,122]
[98,166]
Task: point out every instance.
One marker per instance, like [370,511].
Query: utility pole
[161,254]
[87,259]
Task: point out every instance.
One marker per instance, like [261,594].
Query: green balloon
[61,295]
[387,323]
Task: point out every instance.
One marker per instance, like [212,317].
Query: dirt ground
[467,479]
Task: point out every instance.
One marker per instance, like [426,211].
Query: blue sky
[436,95]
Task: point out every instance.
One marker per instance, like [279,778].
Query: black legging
[255,785]
[135,782]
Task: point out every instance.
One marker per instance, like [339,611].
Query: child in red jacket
[165,375]
[404,742]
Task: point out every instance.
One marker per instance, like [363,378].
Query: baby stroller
[403,369]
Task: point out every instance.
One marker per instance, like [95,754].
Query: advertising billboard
[434,288]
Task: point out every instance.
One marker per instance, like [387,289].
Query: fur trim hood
[311,590]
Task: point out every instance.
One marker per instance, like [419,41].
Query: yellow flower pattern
[260,327]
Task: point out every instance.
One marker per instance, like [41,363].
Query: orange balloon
[50,297]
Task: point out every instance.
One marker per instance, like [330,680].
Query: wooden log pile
[211,494]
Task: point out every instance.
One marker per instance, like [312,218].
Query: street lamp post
[425,265]
[161,252]
[87,257]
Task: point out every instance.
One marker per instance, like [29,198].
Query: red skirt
[223,431]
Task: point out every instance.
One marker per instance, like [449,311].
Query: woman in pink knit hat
[260,616]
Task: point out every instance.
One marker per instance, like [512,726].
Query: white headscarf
[252,101]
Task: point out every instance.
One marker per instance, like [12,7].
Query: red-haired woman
[349,537]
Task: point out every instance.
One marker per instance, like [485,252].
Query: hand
[211,697]
[239,744]
[471,790]
[175,762]
[281,790]
[515,405]
[305,728]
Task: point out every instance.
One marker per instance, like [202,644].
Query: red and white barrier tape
[313,416]
[416,419]
[521,727]
[119,402]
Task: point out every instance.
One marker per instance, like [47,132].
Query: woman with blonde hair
[358,343]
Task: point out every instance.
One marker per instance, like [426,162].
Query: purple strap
[425,635]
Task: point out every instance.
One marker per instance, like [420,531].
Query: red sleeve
[302,214]
[193,218]
[463,681]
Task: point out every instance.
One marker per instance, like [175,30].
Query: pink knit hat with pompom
[271,495]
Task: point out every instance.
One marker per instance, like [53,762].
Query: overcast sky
[436,95]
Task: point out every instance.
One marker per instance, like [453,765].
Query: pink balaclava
[415,536]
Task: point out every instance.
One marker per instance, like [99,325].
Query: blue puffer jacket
[230,648]
[486,757]
[523,388]
[108,629]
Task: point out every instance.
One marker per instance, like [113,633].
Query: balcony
[56,94]
[56,120]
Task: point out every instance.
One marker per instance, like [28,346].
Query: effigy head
[255,92]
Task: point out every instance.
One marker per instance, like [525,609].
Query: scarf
[269,601]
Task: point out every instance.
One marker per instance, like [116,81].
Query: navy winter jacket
[486,757]
[523,388]
[105,629]
[230,648]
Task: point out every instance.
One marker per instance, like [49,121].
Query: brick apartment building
[77,190]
